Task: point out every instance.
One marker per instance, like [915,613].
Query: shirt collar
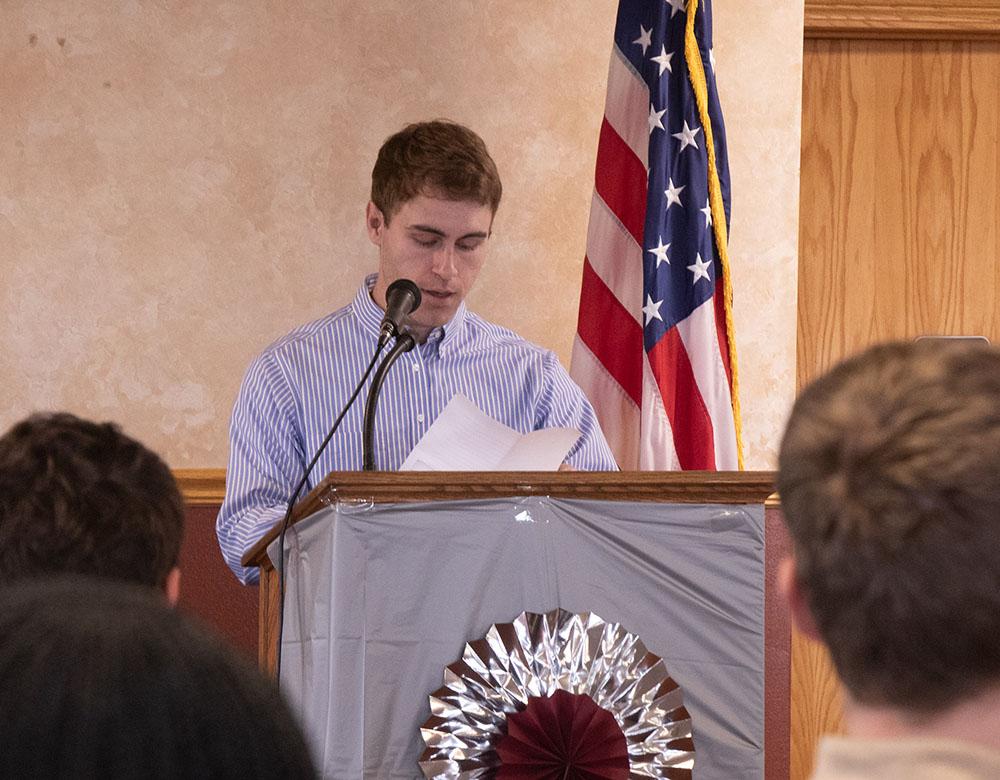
[365,309]
[904,757]
[370,315]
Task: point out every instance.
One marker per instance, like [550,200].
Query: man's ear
[794,594]
[375,222]
[172,586]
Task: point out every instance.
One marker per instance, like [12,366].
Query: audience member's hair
[438,158]
[103,679]
[82,497]
[890,485]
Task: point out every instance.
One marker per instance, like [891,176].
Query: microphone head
[401,298]
[400,290]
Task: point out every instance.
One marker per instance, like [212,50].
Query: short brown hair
[440,157]
[82,497]
[889,474]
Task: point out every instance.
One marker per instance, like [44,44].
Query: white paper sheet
[464,438]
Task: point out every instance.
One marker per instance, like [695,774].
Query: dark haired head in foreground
[890,486]
[82,497]
[102,679]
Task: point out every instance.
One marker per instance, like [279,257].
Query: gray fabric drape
[381,598]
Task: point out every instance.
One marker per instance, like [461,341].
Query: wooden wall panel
[816,703]
[899,221]
[899,210]
[836,219]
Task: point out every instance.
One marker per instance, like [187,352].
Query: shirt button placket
[419,384]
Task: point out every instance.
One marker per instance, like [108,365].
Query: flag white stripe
[616,411]
[627,106]
[657,451]
[701,342]
[615,256]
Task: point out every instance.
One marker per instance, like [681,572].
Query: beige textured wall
[181,183]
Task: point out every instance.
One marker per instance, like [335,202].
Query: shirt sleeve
[563,404]
[265,462]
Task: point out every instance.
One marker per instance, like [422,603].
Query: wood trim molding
[682,487]
[201,487]
[903,19]
[207,487]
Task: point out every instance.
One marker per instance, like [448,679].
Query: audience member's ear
[172,586]
[794,595]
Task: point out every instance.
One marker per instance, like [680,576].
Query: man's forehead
[442,215]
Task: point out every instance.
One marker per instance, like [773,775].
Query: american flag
[654,348]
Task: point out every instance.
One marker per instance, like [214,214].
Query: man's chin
[434,316]
[429,326]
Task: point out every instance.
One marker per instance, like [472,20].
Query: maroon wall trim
[209,590]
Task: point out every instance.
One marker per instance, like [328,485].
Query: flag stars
[699,269]
[676,6]
[673,194]
[660,251]
[645,38]
[655,118]
[663,60]
[686,136]
[707,211]
[652,310]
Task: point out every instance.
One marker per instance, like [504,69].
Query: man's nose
[444,262]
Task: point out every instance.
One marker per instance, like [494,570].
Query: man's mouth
[438,294]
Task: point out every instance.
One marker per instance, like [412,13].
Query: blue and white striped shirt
[294,390]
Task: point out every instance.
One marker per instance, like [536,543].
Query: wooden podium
[705,488]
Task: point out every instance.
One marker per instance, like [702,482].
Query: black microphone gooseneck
[280,565]
[401,298]
[404,343]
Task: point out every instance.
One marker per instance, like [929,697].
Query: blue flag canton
[680,264]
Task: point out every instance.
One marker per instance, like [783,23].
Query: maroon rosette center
[565,735]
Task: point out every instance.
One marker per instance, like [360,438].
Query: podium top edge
[669,487]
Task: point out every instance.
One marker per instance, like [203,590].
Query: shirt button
[416,368]
[420,417]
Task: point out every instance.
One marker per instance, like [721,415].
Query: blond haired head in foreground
[890,485]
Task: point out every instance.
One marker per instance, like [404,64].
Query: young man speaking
[435,191]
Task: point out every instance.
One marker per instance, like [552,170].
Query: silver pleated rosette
[533,657]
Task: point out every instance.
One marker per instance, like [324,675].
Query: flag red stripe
[720,326]
[610,332]
[621,181]
[689,418]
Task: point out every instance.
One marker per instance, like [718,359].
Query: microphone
[404,343]
[402,298]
